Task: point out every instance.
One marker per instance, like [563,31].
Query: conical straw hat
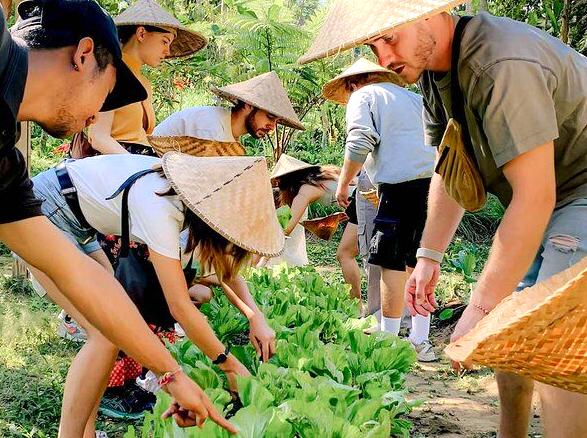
[232,195]
[287,164]
[350,24]
[196,147]
[264,92]
[336,89]
[150,13]
[325,227]
[540,333]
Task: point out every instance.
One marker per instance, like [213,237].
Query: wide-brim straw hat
[336,89]
[230,194]
[350,24]
[288,164]
[265,92]
[540,333]
[150,13]
[196,147]
[325,227]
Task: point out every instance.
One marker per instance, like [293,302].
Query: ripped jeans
[564,243]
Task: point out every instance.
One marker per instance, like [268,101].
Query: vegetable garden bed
[327,379]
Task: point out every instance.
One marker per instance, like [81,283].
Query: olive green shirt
[522,88]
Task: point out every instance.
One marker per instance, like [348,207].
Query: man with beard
[260,103]
[519,96]
[74,45]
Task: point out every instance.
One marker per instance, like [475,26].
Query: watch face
[220,359]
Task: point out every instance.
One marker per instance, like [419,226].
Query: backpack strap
[124,227]
[456,93]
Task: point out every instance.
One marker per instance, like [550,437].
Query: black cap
[72,20]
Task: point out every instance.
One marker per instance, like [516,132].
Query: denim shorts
[46,188]
[563,245]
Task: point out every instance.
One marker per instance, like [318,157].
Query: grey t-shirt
[522,88]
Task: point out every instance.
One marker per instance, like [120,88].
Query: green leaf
[446,314]
[284,215]
[252,422]
[251,392]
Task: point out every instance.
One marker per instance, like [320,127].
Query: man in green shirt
[525,103]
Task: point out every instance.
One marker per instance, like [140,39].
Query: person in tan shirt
[126,129]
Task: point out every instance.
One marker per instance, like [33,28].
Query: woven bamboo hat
[232,195]
[350,24]
[196,147]
[287,164]
[336,89]
[539,333]
[265,92]
[150,13]
[325,227]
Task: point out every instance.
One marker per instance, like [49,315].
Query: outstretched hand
[191,406]
[420,287]
[262,337]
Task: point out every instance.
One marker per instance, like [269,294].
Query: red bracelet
[481,308]
[168,377]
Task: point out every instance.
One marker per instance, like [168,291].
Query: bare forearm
[444,216]
[244,302]
[349,170]
[198,329]
[107,145]
[514,247]
[89,288]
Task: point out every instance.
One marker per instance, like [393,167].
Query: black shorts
[399,224]
[351,210]
[16,189]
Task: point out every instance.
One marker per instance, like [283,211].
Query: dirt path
[456,406]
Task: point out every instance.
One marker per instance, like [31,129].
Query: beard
[426,43]
[62,125]
[250,125]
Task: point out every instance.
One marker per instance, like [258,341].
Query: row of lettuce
[327,379]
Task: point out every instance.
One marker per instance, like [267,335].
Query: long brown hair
[289,185]
[215,252]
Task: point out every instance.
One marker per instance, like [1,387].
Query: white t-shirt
[154,220]
[205,122]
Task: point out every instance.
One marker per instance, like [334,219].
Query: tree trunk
[565,21]
[483,6]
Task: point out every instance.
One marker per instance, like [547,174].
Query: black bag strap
[456,94]
[124,227]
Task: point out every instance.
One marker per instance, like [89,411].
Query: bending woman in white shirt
[159,209]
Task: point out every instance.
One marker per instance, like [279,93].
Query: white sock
[420,329]
[390,325]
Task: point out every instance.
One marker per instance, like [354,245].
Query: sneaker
[150,383]
[425,352]
[70,330]
[101,434]
[179,331]
[127,403]
[373,329]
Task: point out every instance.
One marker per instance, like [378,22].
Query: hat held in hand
[325,227]
[540,332]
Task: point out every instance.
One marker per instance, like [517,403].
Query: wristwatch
[222,357]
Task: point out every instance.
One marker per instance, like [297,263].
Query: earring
[75,66]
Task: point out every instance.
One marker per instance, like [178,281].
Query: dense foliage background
[250,37]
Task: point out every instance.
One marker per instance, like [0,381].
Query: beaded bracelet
[168,377]
[481,308]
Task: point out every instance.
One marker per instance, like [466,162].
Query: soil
[457,406]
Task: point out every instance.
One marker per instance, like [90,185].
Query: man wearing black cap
[64,65]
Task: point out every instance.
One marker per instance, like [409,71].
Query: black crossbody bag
[136,274]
